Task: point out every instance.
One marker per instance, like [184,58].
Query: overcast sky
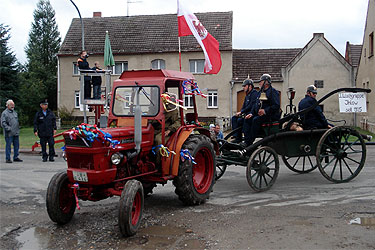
[259,24]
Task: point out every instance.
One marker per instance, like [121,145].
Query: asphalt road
[299,212]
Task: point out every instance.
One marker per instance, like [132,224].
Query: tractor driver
[172,123]
[315,118]
[266,109]
[237,119]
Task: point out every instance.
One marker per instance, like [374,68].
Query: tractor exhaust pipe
[137,123]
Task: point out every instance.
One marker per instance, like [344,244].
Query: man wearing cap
[263,111]
[314,119]
[45,128]
[237,119]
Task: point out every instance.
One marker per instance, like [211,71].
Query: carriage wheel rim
[136,208]
[262,175]
[202,171]
[338,167]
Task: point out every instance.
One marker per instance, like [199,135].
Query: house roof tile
[144,34]
[256,62]
[353,54]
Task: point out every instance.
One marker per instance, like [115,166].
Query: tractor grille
[77,143]
[81,161]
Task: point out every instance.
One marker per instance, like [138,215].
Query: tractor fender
[171,164]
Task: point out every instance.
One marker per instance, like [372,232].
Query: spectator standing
[45,128]
[9,122]
[83,64]
[96,82]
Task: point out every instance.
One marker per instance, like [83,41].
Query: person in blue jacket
[263,110]
[314,119]
[250,98]
[45,128]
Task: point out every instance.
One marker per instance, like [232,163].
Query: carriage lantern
[291,93]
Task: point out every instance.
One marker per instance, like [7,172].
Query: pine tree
[41,51]
[8,69]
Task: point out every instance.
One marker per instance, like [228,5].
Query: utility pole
[82,28]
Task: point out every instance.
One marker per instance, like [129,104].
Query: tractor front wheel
[60,199]
[195,181]
[131,208]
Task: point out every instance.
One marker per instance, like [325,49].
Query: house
[366,70]
[148,42]
[319,64]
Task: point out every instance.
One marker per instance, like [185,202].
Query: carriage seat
[269,128]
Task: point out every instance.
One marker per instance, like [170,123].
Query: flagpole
[179,51]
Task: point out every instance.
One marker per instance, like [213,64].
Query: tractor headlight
[116,158]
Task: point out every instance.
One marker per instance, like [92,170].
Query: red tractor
[98,169]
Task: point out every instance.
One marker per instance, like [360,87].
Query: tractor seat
[190,118]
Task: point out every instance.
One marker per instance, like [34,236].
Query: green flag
[108,57]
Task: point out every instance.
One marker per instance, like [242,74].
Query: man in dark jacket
[96,81]
[263,111]
[314,119]
[250,98]
[45,128]
[83,64]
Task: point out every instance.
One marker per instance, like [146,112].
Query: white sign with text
[352,102]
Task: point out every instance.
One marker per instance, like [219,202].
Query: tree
[41,51]
[9,82]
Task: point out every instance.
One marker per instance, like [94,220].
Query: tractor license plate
[80,176]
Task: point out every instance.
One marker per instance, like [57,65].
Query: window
[196,66]
[212,99]
[319,83]
[188,101]
[76,99]
[75,69]
[371,44]
[125,100]
[158,64]
[119,68]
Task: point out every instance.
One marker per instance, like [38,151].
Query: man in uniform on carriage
[266,109]
[249,102]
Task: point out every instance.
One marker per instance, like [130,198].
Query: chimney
[319,34]
[97,14]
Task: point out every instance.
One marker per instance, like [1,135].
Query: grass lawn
[27,139]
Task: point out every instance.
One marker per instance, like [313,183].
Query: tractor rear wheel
[60,199]
[194,182]
[131,208]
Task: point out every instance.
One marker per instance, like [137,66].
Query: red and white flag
[188,24]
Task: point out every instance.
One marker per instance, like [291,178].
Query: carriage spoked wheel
[262,169]
[300,164]
[341,154]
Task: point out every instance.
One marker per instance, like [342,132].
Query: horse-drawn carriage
[339,152]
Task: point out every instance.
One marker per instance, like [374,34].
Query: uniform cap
[44,101]
[247,82]
[312,89]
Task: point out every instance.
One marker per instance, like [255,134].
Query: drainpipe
[231,99]
[58,86]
